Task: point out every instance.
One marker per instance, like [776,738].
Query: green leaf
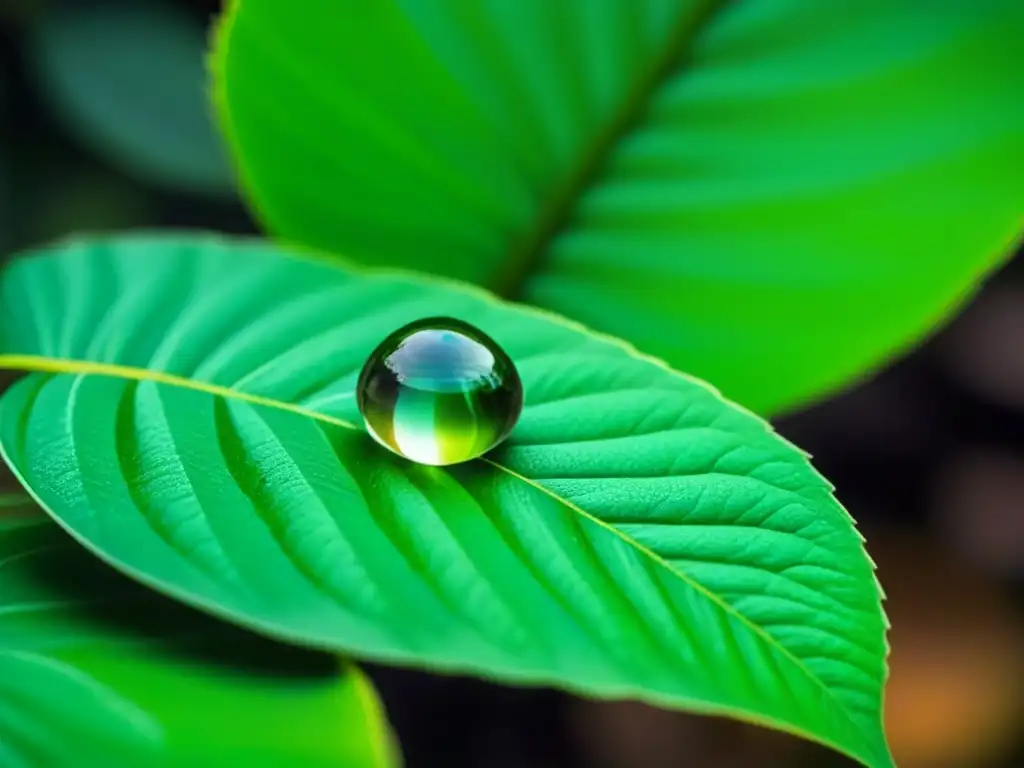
[127,80]
[773,195]
[95,668]
[191,420]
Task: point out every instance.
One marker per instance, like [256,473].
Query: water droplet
[439,391]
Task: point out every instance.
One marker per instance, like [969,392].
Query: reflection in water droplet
[439,391]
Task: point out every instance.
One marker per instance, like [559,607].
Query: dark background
[104,125]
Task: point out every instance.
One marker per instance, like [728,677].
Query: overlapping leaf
[191,419]
[127,80]
[770,194]
[96,670]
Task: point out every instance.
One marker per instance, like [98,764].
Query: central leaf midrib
[65,366]
[556,212]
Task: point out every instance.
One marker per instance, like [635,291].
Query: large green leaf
[191,419]
[96,670]
[769,194]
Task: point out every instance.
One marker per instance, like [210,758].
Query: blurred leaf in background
[127,79]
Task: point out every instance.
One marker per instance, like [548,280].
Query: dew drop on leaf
[439,391]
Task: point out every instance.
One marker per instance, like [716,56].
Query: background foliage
[928,457]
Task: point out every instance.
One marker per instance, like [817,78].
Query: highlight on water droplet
[439,391]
